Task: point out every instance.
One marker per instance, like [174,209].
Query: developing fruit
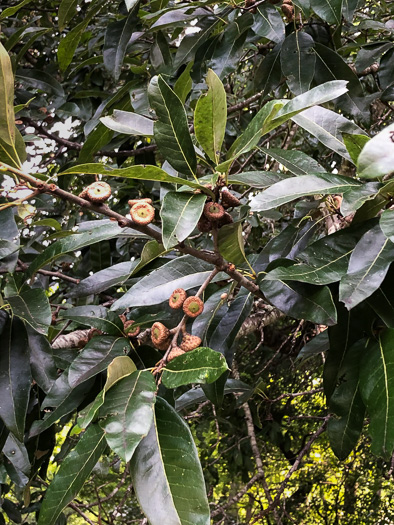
[193,306]
[229,200]
[129,330]
[204,225]
[142,213]
[136,201]
[164,345]
[98,191]
[190,342]
[213,211]
[159,333]
[177,298]
[175,352]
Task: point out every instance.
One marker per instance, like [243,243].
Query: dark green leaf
[298,61]
[320,343]
[42,361]
[41,80]
[269,73]
[354,199]
[354,144]
[10,11]
[329,11]
[116,38]
[16,452]
[102,280]
[97,139]
[231,243]
[196,395]
[268,23]
[257,179]
[10,240]
[184,83]
[295,161]
[211,306]
[215,391]
[32,306]
[67,10]
[95,316]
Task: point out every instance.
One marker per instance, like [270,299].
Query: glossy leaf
[354,199]
[210,117]
[377,157]
[32,306]
[257,179]
[211,306]
[354,144]
[95,316]
[180,213]
[129,123]
[166,472]
[72,474]
[298,61]
[269,73]
[202,365]
[116,39]
[269,23]
[231,243]
[329,10]
[11,11]
[150,251]
[102,280]
[10,236]
[171,131]
[295,161]
[215,391]
[15,376]
[67,10]
[291,189]
[40,80]
[7,119]
[42,361]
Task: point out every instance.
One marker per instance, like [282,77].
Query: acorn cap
[159,333]
[129,330]
[175,352]
[164,345]
[213,211]
[177,298]
[204,225]
[193,306]
[226,219]
[229,200]
[136,201]
[190,342]
[98,191]
[93,332]
[142,213]
[83,193]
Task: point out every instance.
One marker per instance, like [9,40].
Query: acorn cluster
[141,210]
[97,192]
[161,336]
[215,213]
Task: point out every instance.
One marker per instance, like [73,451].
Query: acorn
[164,345]
[288,10]
[226,219]
[130,330]
[213,211]
[193,306]
[175,352]
[93,332]
[82,342]
[177,298]
[83,193]
[131,202]
[98,192]
[229,200]
[159,333]
[190,342]
[204,225]
[142,213]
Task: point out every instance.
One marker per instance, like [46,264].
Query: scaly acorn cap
[213,211]
[177,298]
[159,333]
[204,225]
[229,200]
[190,342]
[129,330]
[142,213]
[98,191]
[175,352]
[164,345]
[136,201]
[193,306]
[226,219]
[83,193]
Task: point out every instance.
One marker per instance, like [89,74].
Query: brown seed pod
[288,11]
[175,352]
[204,225]
[82,342]
[337,201]
[164,345]
[193,306]
[177,298]
[93,332]
[142,213]
[159,333]
[123,318]
[226,219]
[136,201]
[213,211]
[98,191]
[229,200]
[129,330]
[190,342]
[83,193]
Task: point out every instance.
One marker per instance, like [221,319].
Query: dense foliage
[260,135]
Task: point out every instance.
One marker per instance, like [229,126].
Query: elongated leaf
[184,272]
[346,403]
[10,11]
[15,154]
[298,61]
[202,365]
[377,157]
[95,316]
[171,130]
[231,243]
[102,280]
[42,361]
[128,412]
[257,179]
[215,391]
[116,38]
[368,266]
[291,189]
[15,377]
[32,306]
[67,10]
[7,118]
[354,199]
[9,240]
[211,306]
[150,251]
[269,23]
[97,139]
[387,224]
[329,10]
[129,123]
[40,80]
[354,144]
[295,161]
[180,213]
[377,391]
[72,474]
[166,473]
[210,117]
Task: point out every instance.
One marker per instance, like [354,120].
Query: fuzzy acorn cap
[98,191]
[164,345]
[204,225]
[213,211]
[177,298]
[136,201]
[193,306]
[229,200]
[129,330]
[159,333]
[142,213]
[190,342]
[226,219]
[83,193]
[175,352]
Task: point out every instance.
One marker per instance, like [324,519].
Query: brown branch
[70,340]
[81,513]
[23,267]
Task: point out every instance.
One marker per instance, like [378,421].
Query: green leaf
[257,179]
[67,9]
[128,412]
[150,251]
[96,140]
[354,199]
[33,307]
[7,118]
[327,127]
[9,240]
[210,117]
[15,154]
[231,243]
[269,73]
[41,80]
[368,266]
[354,144]
[346,403]
[215,391]
[184,272]
[184,83]
[329,10]
[269,23]
[95,357]
[180,213]
[10,11]
[102,280]
[377,156]
[15,379]
[295,161]
[171,131]
[382,301]
[298,61]
[166,472]
[42,361]
[96,317]
[211,306]
[129,123]
[202,365]
[72,474]
[377,391]
[117,36]
[291,189]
